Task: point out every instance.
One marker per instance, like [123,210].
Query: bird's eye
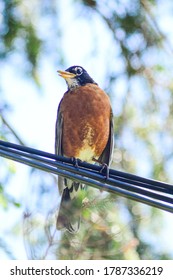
[78,71]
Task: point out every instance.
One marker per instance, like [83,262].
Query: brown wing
[69,213]
[58,133]
[58,144]
[106,156]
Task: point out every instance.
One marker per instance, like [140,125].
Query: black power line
[151,192]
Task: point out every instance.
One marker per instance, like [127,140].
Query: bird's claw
[75,162]
[105,170]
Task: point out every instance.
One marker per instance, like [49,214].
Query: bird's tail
[69,215]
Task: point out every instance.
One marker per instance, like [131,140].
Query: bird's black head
[76,76]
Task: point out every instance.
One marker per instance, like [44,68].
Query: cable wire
[151,192]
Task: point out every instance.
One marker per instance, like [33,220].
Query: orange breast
[86,122]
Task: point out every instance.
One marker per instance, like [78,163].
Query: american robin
[84,130]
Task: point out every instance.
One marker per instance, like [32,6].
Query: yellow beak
[66,75]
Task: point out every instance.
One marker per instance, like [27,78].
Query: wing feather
[107,154]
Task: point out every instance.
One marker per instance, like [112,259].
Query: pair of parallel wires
[151,192]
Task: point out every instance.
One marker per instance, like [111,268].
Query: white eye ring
[78,71]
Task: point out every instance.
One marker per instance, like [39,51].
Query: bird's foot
[104,168]
[75,162]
